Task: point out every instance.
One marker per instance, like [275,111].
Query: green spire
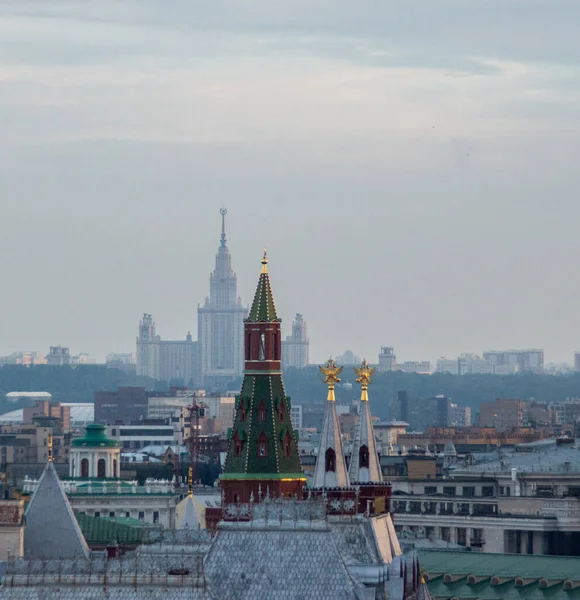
[263,308]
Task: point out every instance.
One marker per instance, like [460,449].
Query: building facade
[510,361]
[221,323]
[296,346]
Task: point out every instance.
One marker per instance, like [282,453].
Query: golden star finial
[265,261]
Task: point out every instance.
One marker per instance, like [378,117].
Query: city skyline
[412,175]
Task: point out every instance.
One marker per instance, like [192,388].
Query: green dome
[95,438]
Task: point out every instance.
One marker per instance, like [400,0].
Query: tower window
[238,445]
[287,445]
[242,411]
[263,445]
[262,412]
[263,346]
[363,457]
[330,460]
[281,411]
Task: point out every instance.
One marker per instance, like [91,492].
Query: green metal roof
[104,530]
[95,438]
[506,567]
[263,308]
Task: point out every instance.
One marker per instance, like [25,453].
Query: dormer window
[281,411]
[262,445]
[238,444]
[363,457]
[287,445]
[243,413]
[330,460]
[262,412]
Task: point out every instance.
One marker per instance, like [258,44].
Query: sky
[412,167]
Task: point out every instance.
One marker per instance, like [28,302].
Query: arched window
[262,411]
[330,460]
[101,469]
[115,467]
[363,457]
[85,468]
[262,346]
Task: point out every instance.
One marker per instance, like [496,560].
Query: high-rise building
[403,398]
[387,359]
[147,347]
[516,360]
[58,356]
[295,346]
[221,323]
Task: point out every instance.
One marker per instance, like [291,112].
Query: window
[363,457]
[115,467]
[461,536]
[101,473]
[430,489]
[113,432]
[262,346]
[85,468]
[469,491]
[243,414]
[97,513]
[487,490]
[112,514]
[262,445]
[127,514]
[446,534]
[281,411]
[449,491]
[262,411]
[287,445]
[238,444]
[330,460]
[141,515]
[155,516]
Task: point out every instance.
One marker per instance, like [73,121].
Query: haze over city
[410,168]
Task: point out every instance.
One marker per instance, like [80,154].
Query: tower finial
[223,213]
[364,373]
[331,372]
[265,261]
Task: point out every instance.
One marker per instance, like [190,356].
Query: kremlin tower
[262,457]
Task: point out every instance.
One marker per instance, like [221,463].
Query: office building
[295,346]
[503,414]
[510,361]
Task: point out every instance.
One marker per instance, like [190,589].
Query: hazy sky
[412,166]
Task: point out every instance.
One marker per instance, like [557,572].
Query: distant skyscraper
[387,359]
[58,356]
[295,347]
[221,323]
[147,348]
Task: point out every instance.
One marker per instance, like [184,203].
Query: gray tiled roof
[261,564]
[107,592]
[51,528]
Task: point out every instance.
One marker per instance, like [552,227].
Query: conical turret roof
[330,469]
[51,529]
[263,307]
[364,463]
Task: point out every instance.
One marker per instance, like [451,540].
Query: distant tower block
[387,359]
[295,348]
